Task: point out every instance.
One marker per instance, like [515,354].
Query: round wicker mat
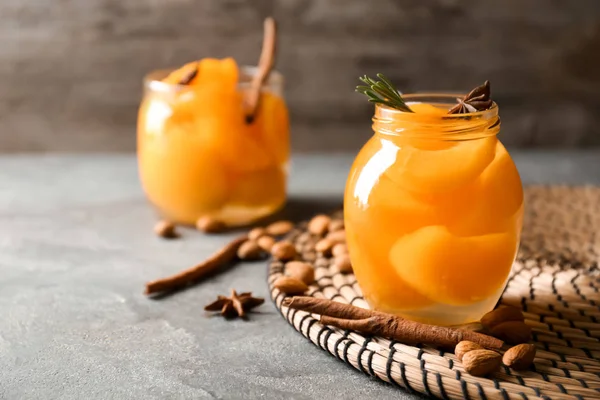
[555,280]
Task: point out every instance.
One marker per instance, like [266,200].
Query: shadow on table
[297,209]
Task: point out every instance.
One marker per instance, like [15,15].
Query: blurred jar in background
[197,153]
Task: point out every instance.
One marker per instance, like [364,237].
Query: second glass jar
[433,212]
[198,156]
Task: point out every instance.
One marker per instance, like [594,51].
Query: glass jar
[198,156]
[433,212]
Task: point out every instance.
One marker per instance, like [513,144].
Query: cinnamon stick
[327,307]
[265,65]
[219,259]
[345,316]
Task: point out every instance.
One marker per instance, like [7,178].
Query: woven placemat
[555,280]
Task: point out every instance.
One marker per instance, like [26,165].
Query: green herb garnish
[382,92]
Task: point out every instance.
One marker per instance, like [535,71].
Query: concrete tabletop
[76,246]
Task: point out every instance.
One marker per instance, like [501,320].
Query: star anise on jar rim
[235,305]
[478,99]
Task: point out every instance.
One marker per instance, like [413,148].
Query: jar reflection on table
[433,212]
[198,156]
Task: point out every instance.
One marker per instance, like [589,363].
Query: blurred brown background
[70,71]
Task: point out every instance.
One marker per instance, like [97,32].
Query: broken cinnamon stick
[219,259]
[345,316]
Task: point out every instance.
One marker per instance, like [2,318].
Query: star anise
[235,305]
[478,99]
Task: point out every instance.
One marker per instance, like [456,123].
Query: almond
[165,229]
[337,236]
[284,250]
[280,228]
[291,286]
[250,251]
[339,249]
[209,224]
[342,264]
[464,347]
[319,225]
[336,225]
[324,247]
[519,357]
[309,256]
[255,233]
[500,315]
[512,332]
[266,242]
[300,270]
[481,362]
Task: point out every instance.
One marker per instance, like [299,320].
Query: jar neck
[435,125]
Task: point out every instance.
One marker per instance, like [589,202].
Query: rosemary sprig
[382,92]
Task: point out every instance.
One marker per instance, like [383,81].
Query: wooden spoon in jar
[265,65]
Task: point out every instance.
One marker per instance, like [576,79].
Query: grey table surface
[76,247]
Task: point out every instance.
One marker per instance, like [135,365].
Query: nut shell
[250,251]
[266,243]
[512,332]
[337,236]
[300,270]
[500,315]
[165,229]
[255,233]
[319,225]
[481,362]
[284,250]
[279,228]
[342,264]
[519,357]
[336,225]
[324,246]
[339,249]
[291,286]
[464,347]
[208,224]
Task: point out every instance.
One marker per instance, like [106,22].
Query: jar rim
[153,79]
[391,121]
[438,98]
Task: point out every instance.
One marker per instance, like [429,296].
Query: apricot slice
[272,127]
[181,179]
[454,270]
[259,188]
[221,73]
[439,171]
[224,131]
[400,211]
[423,131]
[494,200]
[177,75]
[383,288]
[378,198]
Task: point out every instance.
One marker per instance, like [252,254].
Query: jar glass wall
[198,156]
[433,212]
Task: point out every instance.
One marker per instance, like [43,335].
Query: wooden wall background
[70,70]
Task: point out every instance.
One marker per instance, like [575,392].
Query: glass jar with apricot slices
[433,206]
[198,154]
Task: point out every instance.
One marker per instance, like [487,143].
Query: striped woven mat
[555,280]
